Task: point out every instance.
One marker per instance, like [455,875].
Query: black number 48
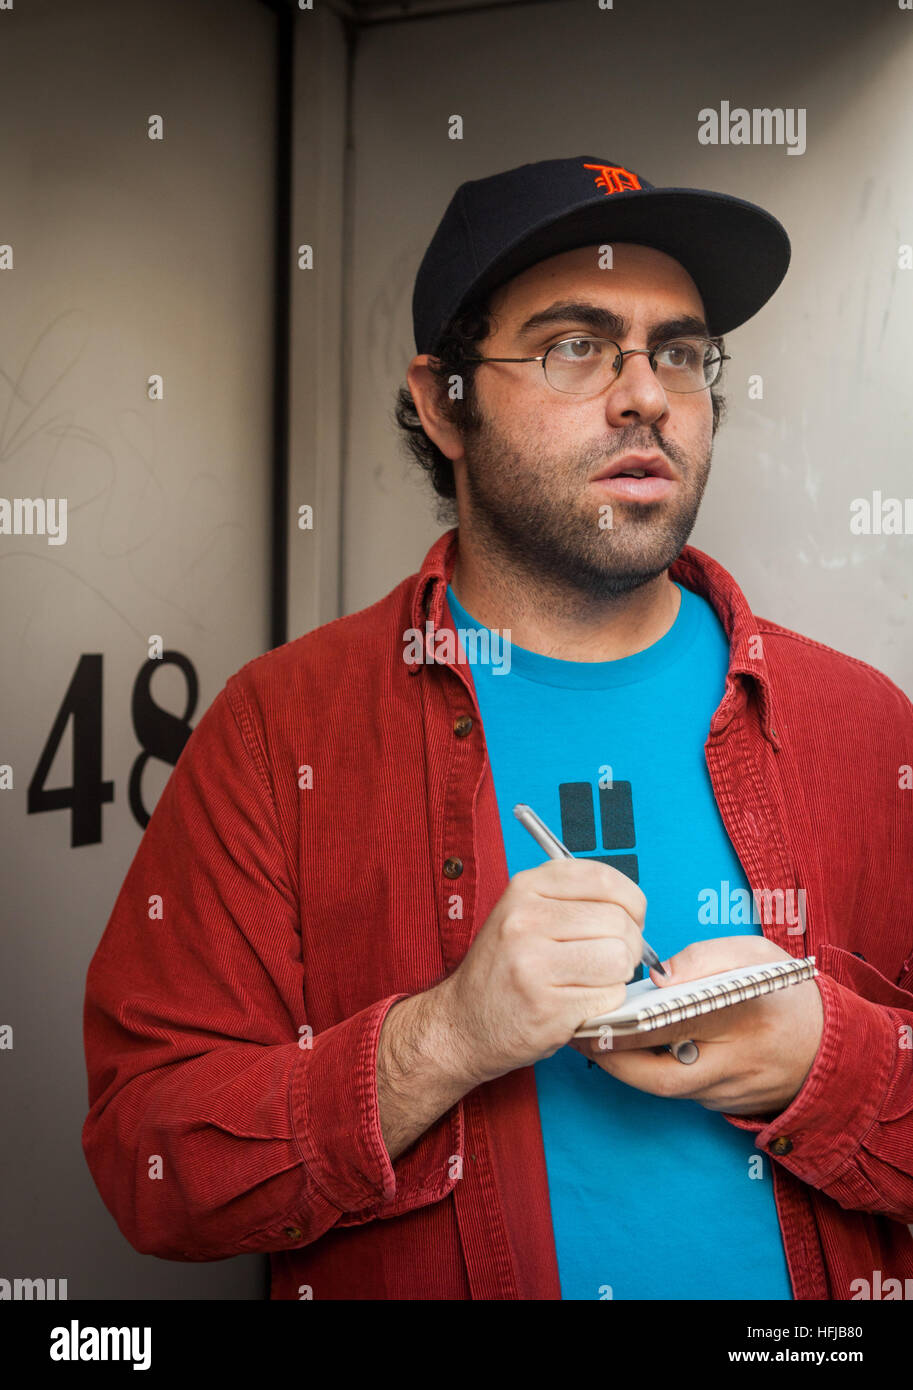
[161,735]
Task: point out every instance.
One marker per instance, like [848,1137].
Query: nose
[636,391]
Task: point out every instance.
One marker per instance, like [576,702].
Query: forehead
[641,278]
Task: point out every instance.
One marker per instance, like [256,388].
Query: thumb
[669,966]
[693,961]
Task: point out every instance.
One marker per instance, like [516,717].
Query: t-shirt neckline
[594,675]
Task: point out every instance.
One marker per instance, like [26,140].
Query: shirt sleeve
[849,1130]
[218,1125]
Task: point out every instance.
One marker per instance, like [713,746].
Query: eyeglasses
[586,366]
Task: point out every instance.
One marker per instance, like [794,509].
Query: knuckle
[615,997]
[522,970]
[514,925]
[622,919]
[620,959]
[620,882]
[634,935]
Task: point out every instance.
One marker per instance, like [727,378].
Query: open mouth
[637,487]
[638,477]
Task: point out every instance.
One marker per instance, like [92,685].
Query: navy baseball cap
[736,253]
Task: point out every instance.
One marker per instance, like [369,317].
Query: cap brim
[736,253]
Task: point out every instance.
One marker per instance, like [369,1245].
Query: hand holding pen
[557,947]
[685,1051]
[556,850]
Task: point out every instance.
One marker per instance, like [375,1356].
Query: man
[348,1037]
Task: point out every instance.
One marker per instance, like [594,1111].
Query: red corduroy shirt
[294,882]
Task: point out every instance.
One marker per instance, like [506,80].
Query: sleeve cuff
[336,1121]
[842,1095]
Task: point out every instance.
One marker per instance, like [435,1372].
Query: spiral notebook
[648,1006]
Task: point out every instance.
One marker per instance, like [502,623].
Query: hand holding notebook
[751,1060]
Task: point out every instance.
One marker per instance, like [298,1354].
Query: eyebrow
[607,323]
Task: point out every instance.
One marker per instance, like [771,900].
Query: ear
[426,395]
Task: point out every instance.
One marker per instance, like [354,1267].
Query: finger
[702,958]
[689,1030]
[597,961]
[660,1073]
[590,1047]
[588,879]
[587,921]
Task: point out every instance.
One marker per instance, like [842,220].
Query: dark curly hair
[461,338]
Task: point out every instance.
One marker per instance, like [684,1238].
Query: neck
[542,616]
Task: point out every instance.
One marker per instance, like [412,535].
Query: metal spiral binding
[760,982]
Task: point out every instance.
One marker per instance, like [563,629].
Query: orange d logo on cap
[613,179]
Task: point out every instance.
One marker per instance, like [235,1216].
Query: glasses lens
[687,364]
[580,364]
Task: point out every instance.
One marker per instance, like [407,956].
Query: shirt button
[781,1145]
[453,867]
[293,1232]
[462,725]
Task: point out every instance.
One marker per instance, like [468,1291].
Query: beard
[538,514]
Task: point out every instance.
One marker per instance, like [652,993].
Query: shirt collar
[693,568]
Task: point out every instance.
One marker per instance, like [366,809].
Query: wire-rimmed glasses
[584,365]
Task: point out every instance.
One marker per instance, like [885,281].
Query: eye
[681,354]
[577,350]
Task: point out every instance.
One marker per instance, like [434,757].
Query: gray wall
[133,257]
[318,360]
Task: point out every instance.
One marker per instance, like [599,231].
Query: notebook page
[644,992]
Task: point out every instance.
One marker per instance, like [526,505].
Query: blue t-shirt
[651,1198]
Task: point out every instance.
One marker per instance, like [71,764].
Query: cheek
[557,431]
[695,426]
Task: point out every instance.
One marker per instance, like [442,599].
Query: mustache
[607,452]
